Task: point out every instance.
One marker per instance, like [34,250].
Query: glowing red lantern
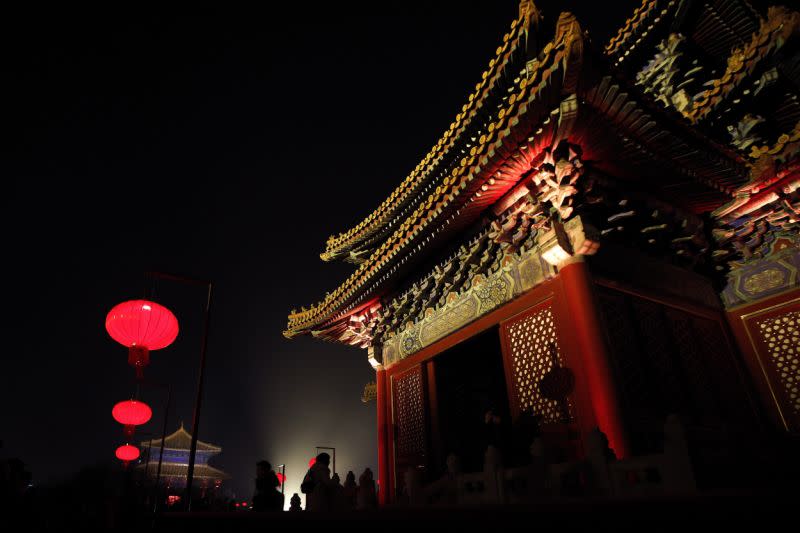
[142,326]
[312,462]
[127,453]
[281,478]
[131,413]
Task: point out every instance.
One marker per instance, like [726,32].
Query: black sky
[222,145]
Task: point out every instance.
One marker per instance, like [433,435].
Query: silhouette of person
[267,497]
[317,484]
[492,428]
[350,490]
[526,429]
[367,497]
[337,497]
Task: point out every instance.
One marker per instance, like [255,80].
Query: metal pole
[161,453]
[199,397]
[149,453]
[334,454]
[283,472]
[198,401]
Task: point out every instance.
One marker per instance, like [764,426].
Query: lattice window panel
[781,336]
[529,341]
[622,339]
[692,363]
[723,375]
[641,403]
[409,414]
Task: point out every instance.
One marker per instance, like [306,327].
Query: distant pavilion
[175,465]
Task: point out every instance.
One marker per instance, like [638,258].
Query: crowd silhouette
[325,493]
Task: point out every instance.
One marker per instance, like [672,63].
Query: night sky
[225,146]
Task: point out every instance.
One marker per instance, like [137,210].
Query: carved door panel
[540,381]
[409,421]
[531,347]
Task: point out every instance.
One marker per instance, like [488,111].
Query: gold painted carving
[764,281]
[519,274]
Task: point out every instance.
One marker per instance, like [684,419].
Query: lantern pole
[147,463]
[283,472]
[198,400]
[161,451]
[154,385]
[201,373]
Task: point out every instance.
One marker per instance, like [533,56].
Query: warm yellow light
[555,245]
[555,255]
[372,357]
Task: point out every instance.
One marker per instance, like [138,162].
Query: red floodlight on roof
[131,413]
[127,453]
[142,326]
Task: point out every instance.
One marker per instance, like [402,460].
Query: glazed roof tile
[455,189]
[181,440]
[430,164]
[201,471]
[770,37]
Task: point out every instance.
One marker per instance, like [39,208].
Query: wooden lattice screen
[781,336]
[531,344]
[671,360]
[408,416]
[775,335]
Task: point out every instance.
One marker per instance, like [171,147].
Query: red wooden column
[383,436]
[585,326]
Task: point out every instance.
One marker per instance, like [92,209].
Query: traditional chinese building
[605,234]
[175,464]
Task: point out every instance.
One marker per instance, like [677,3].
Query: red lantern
[131,413]
[281,478]
[142,326]
[127,453]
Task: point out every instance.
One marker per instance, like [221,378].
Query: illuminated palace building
[175,464]
[606,235]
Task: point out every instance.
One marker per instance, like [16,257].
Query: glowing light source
[142,326]
[131,413]
[312,462]
[555,245]
[567,240]
[127,453]
[373,362]
[281,478]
